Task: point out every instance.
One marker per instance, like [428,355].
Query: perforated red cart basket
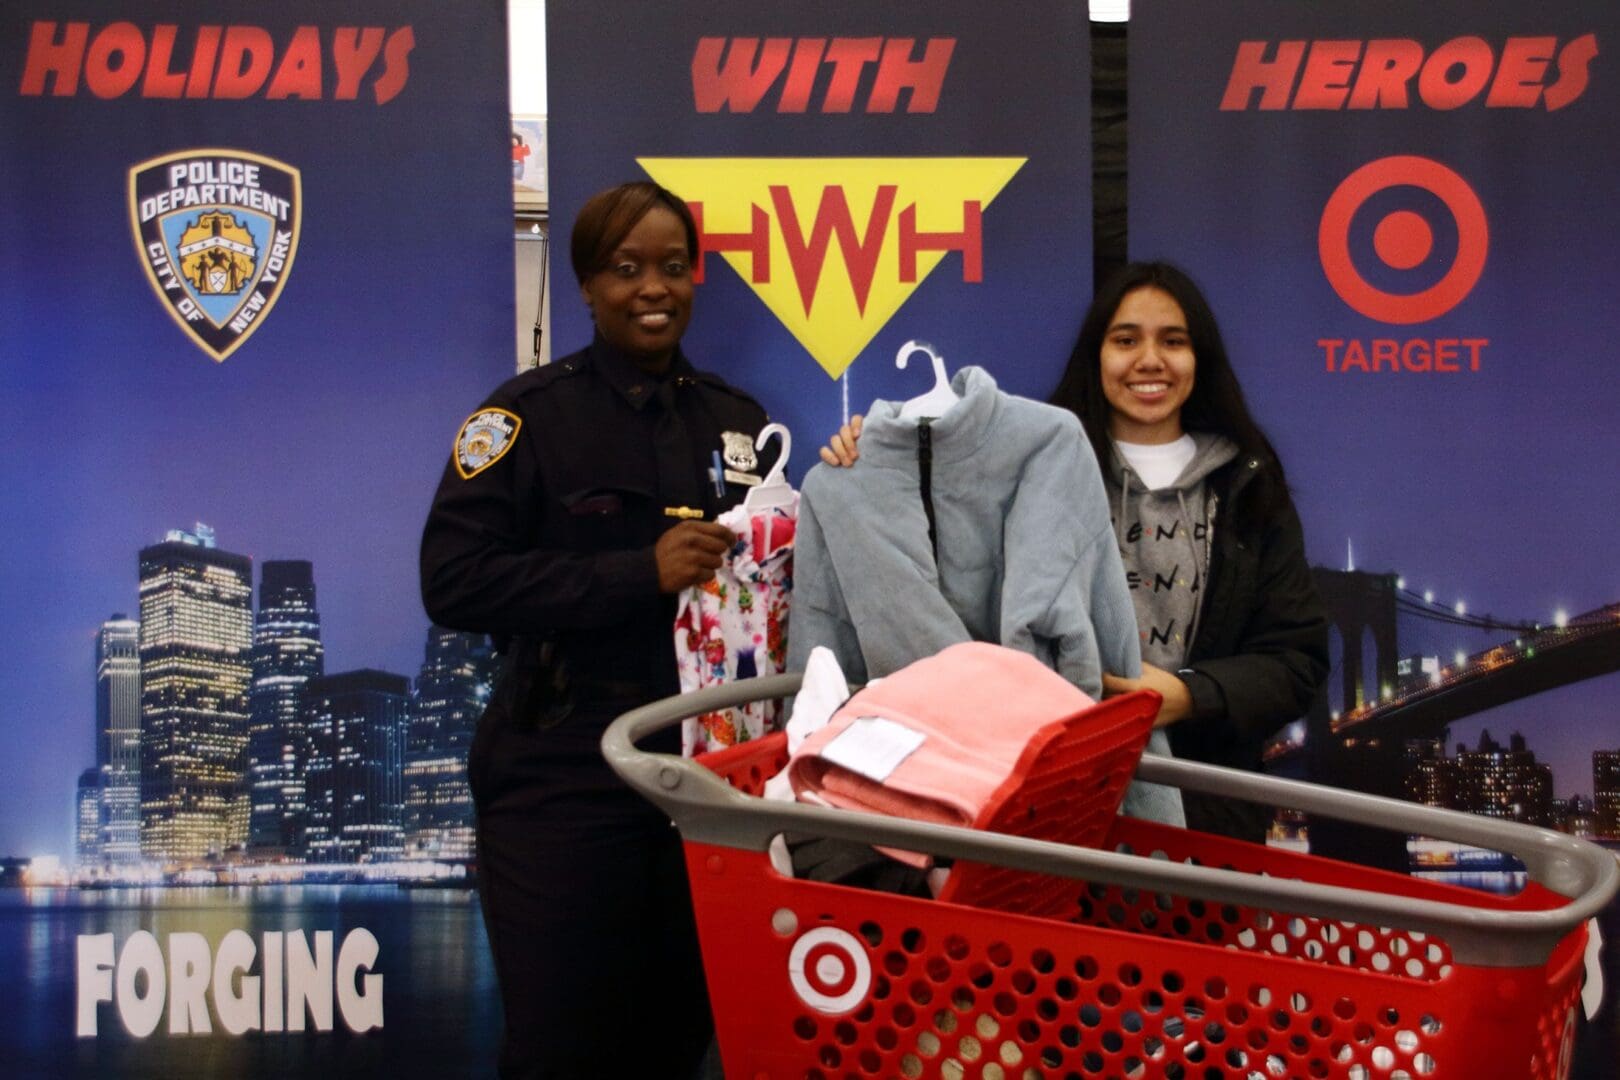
[1163,953]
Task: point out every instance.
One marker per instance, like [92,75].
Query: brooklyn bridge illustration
[1390,700]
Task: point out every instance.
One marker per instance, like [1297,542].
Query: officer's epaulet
[544,375]
[712,380]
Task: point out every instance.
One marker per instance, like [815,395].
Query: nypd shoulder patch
[484,439]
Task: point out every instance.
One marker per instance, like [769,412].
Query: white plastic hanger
[938,401]
[774,490]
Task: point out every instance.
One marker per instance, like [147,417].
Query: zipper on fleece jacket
[925,475]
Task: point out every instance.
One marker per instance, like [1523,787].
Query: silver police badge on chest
[738,451]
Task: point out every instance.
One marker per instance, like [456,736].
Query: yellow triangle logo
[834,246]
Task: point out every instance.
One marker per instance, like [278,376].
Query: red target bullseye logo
[830,970]
[1403,239]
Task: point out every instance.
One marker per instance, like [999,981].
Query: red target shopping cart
[1157,953]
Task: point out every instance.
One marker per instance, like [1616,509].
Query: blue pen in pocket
[717,474]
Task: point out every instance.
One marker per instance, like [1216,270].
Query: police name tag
[732,476]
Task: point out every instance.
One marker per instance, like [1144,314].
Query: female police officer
[579,499]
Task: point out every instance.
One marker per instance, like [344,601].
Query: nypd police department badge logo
[484,439]
[217,231]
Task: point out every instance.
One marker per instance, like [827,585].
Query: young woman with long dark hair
[1234,635]
[1233,632]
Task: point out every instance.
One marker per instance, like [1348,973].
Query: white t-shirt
[1160,464]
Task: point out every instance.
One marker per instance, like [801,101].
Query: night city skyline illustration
[222,736]
[287,616]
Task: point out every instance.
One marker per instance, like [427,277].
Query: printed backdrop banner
[865,175]
[1404,216]
[257,266]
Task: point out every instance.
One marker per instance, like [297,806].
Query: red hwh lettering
[737,78]
[834,220]
[756,241]
[833,216]
[966,241]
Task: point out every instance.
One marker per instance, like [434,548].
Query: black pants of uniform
[588,912]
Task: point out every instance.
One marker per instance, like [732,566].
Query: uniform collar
[619,370]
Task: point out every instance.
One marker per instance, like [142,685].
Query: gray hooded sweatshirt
[1021,552]
[1164,540]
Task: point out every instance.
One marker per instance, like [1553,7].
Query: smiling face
[642,299]
[1147,367]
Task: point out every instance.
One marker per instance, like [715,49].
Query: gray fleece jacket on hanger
[1022,551]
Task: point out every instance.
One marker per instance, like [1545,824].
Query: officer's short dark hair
[608,216]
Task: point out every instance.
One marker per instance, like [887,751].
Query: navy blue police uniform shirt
[542,529]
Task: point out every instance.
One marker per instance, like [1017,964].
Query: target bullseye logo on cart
[1397,203]
[830,970]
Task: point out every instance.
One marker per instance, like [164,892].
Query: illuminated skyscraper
[87,818]
[451,693]
[1503,782]
[196,637]
[118,738]
[1606,792]
[353,785]
[1428,777]
[1577,818]
[287,653]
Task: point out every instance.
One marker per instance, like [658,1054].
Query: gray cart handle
[708,810]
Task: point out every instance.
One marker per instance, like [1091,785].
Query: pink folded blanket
[935,740]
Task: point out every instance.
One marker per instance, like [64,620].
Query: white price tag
[872,746]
